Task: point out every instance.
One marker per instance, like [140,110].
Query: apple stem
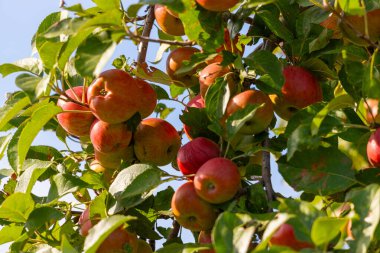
[266,173]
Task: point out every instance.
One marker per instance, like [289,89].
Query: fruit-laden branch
[143,46]
[175,231]
[266,174]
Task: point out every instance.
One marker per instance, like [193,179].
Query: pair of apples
[102,112]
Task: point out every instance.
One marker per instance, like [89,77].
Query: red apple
[229,45]
[84,222]
[217,5]
[156,142]
[209,74]
[196,102]
[75,123]
[174,63]
[372,115]
[195,153]
[168,21]
[115,96]
[190,210]
[282,108]
[285,236]
[263,115]
[373,148]
[119,241]
[110,138]
[205,238]
[217,180]
[301,88]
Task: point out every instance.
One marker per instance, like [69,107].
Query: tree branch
[175,231]
[143,46]
[266,173]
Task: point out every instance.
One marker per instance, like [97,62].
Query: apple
[143,247]
[196,102]
[190,210]
[75,123]
[108,173]
[263,115]
[205,238]
[373,148]
[168,21]
[174,63]
[195,153]
[285,236]
[119,241]
[217,5]
[229,45]
[301,88]
[282,107]
[156,142]
[217,180]
[85,223]
[371,107]
[110,138]
[209,74]
[115,96]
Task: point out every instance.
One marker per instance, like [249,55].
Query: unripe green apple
[263,115]
[168,21]
[115,96]
[174,63]
[217,5]
[190,210]
[217,180]
[301,88]
[75,123]
[156,142]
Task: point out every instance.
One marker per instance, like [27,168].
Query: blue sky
[19,20]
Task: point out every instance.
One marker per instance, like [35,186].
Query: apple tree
[293,84]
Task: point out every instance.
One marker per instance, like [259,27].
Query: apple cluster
[104,112]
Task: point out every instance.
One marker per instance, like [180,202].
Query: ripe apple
[168,21]
[372,115]
[215,5]
[196,102]
[143,247]
[263,116]
[195,153]
[301,88]
[229,45]
[282,108]
[75,123]
[190,210]
[115,96]
[205,238]
[156,142]
[174,63]
[85,223]
[110,138]
[217,180]
[119,241]
[373,148]
[285,236]
[209,74]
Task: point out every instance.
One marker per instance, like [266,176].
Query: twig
[266,173]
[143,46]
[152,244]
[175,231]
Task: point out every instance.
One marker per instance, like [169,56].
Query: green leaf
[112,17]
[204,27]
[325,229]
[176,5]
[163,199]
[238,119]
[10,233]
[232,232]
[66,247]
[156,76]
[107,4]
[268,67]
[301,139]
[4,141]
[217,98]
[319,68]
[367,207]
[135,180]
[92,55]
[34,86]
[33,169]
[182,248]
[17,207]
[371,82]
[274,24]
[318,172]
[12,107]
[352,7]
[24,136]
[31,65]
[41,216]
[336,103]
[102,230]
[63,184]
